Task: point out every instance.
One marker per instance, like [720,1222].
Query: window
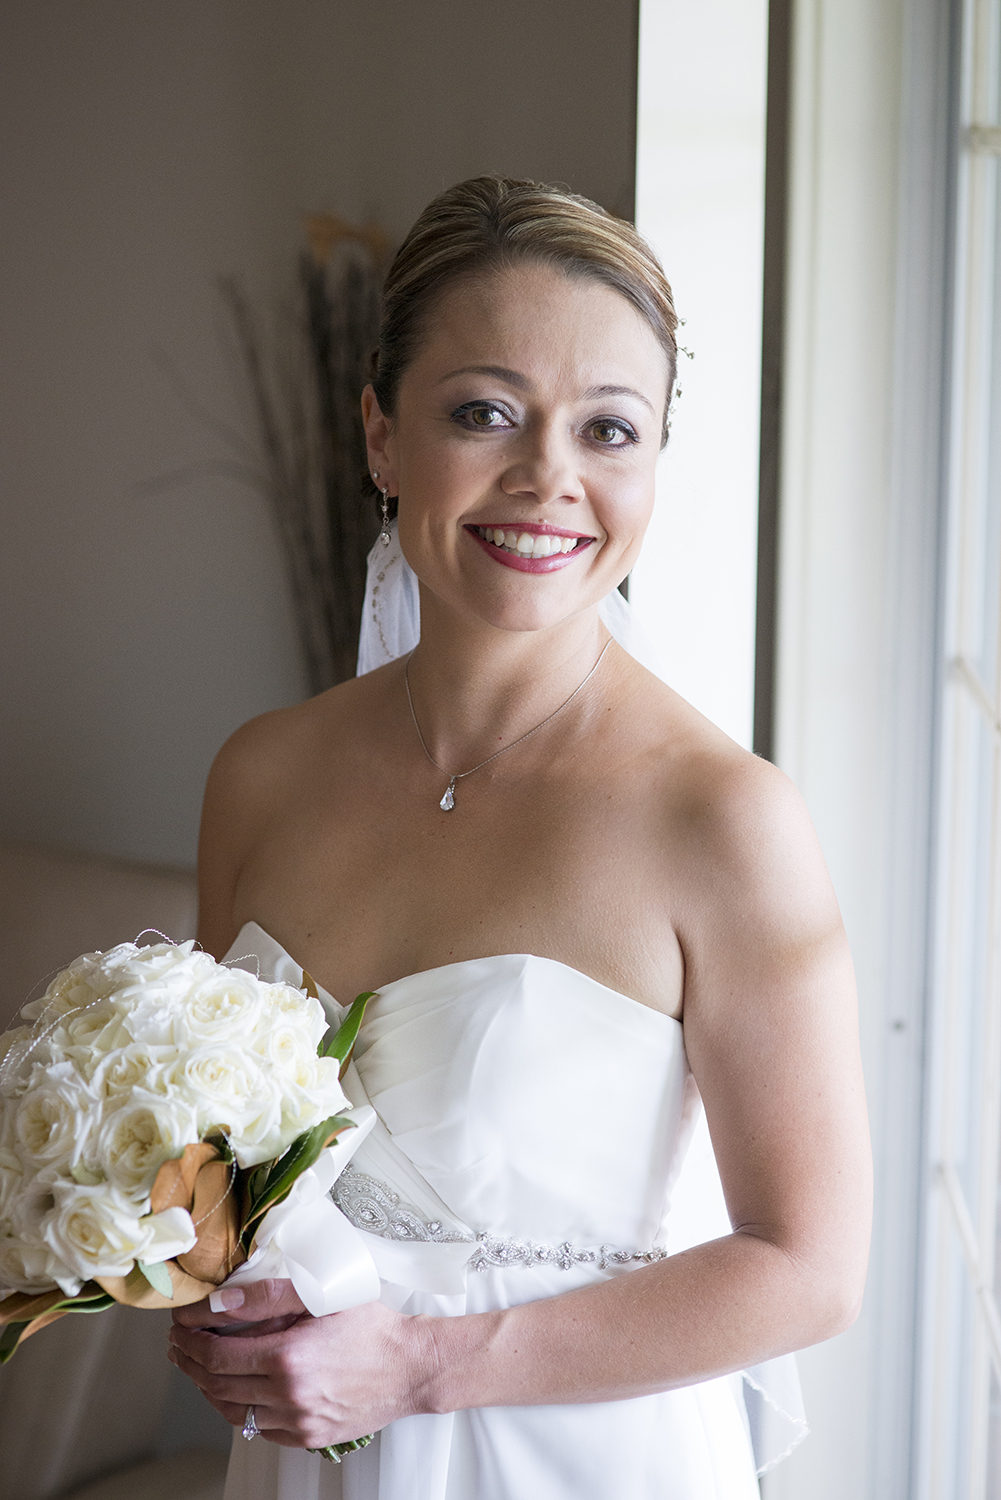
[959,1436]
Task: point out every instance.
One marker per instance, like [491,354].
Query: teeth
[526,543]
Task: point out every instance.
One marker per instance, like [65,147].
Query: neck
[476,688]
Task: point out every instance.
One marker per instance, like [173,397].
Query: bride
[585,911]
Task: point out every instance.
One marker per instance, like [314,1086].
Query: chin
[528,617]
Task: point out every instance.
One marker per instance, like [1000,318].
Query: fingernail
[226,1299]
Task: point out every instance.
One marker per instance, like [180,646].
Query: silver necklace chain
[448,801]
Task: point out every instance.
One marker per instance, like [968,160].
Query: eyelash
[468,407]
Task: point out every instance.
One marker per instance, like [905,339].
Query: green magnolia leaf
[9,1339]
[284,1173]
[92,1304]
[91,1298]
[158,1277]
[341,1043]
[223,1148]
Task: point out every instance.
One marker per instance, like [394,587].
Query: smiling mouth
[530,543]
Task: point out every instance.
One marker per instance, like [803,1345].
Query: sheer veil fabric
[491,1180]
[391,619]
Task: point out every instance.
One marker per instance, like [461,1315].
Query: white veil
[390,627]
[391,619]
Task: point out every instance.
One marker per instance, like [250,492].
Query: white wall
[700,201]
[148,146]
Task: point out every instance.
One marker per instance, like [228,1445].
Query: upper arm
[771,1028]
[239,797]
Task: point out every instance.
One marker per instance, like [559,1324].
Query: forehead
[548,325]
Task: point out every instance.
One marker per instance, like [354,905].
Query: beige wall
[149,145]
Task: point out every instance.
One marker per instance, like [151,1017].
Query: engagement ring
[250,1427]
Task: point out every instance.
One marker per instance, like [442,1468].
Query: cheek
[623,501]
[440,480]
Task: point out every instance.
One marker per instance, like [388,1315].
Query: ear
[378,433]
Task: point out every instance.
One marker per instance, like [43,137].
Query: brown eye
[611,434]
[481,414]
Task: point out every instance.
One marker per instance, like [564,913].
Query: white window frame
[961,1321]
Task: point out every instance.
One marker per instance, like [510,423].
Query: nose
[543,468]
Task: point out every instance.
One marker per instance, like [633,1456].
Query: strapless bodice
[536,1102]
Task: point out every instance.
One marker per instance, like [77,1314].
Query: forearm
[708,1311]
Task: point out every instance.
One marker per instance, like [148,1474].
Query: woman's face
[523,446]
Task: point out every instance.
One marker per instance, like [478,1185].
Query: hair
[488,224]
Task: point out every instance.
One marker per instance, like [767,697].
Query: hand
[311,1381]
[268,1306]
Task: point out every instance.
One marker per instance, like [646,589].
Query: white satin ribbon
[309,1241]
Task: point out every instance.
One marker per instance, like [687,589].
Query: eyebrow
[522,383]
[511,377]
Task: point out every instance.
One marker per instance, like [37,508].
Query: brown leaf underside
[175,1182]
[201,1183]
[23,1306]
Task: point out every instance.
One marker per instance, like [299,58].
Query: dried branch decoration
[306,404]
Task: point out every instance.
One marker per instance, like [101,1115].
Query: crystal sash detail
[372,1206]
[492,1253]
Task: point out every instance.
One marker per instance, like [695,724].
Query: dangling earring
[385,536]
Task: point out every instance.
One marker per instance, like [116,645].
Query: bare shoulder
[754,907]
[268,751]
[741,817]
[261,765]
[736,842]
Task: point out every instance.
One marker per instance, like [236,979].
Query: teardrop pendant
[448,801]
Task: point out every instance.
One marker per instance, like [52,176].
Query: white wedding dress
[536,1132]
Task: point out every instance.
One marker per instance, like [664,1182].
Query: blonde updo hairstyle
[488,224]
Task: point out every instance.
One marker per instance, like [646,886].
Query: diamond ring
[250,1427]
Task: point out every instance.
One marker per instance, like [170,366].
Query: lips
[530,546]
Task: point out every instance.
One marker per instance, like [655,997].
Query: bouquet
[166,1123]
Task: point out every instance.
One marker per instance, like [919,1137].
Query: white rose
[287,1046]
[138,1135]
[231,1092]
[134,1066]
[30,1268]
[227,1005]
[94,1231]
[285,1003]
[155,986]
[14,1061]
[26,1058]
[56,1117]
[11,1184]
[87,1035]
[88,978]
[311,1093]
[32,1203]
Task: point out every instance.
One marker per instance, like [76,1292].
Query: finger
[232,1390]
[233,1306]
[236,1416]
[222,1356]
[282,1438]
